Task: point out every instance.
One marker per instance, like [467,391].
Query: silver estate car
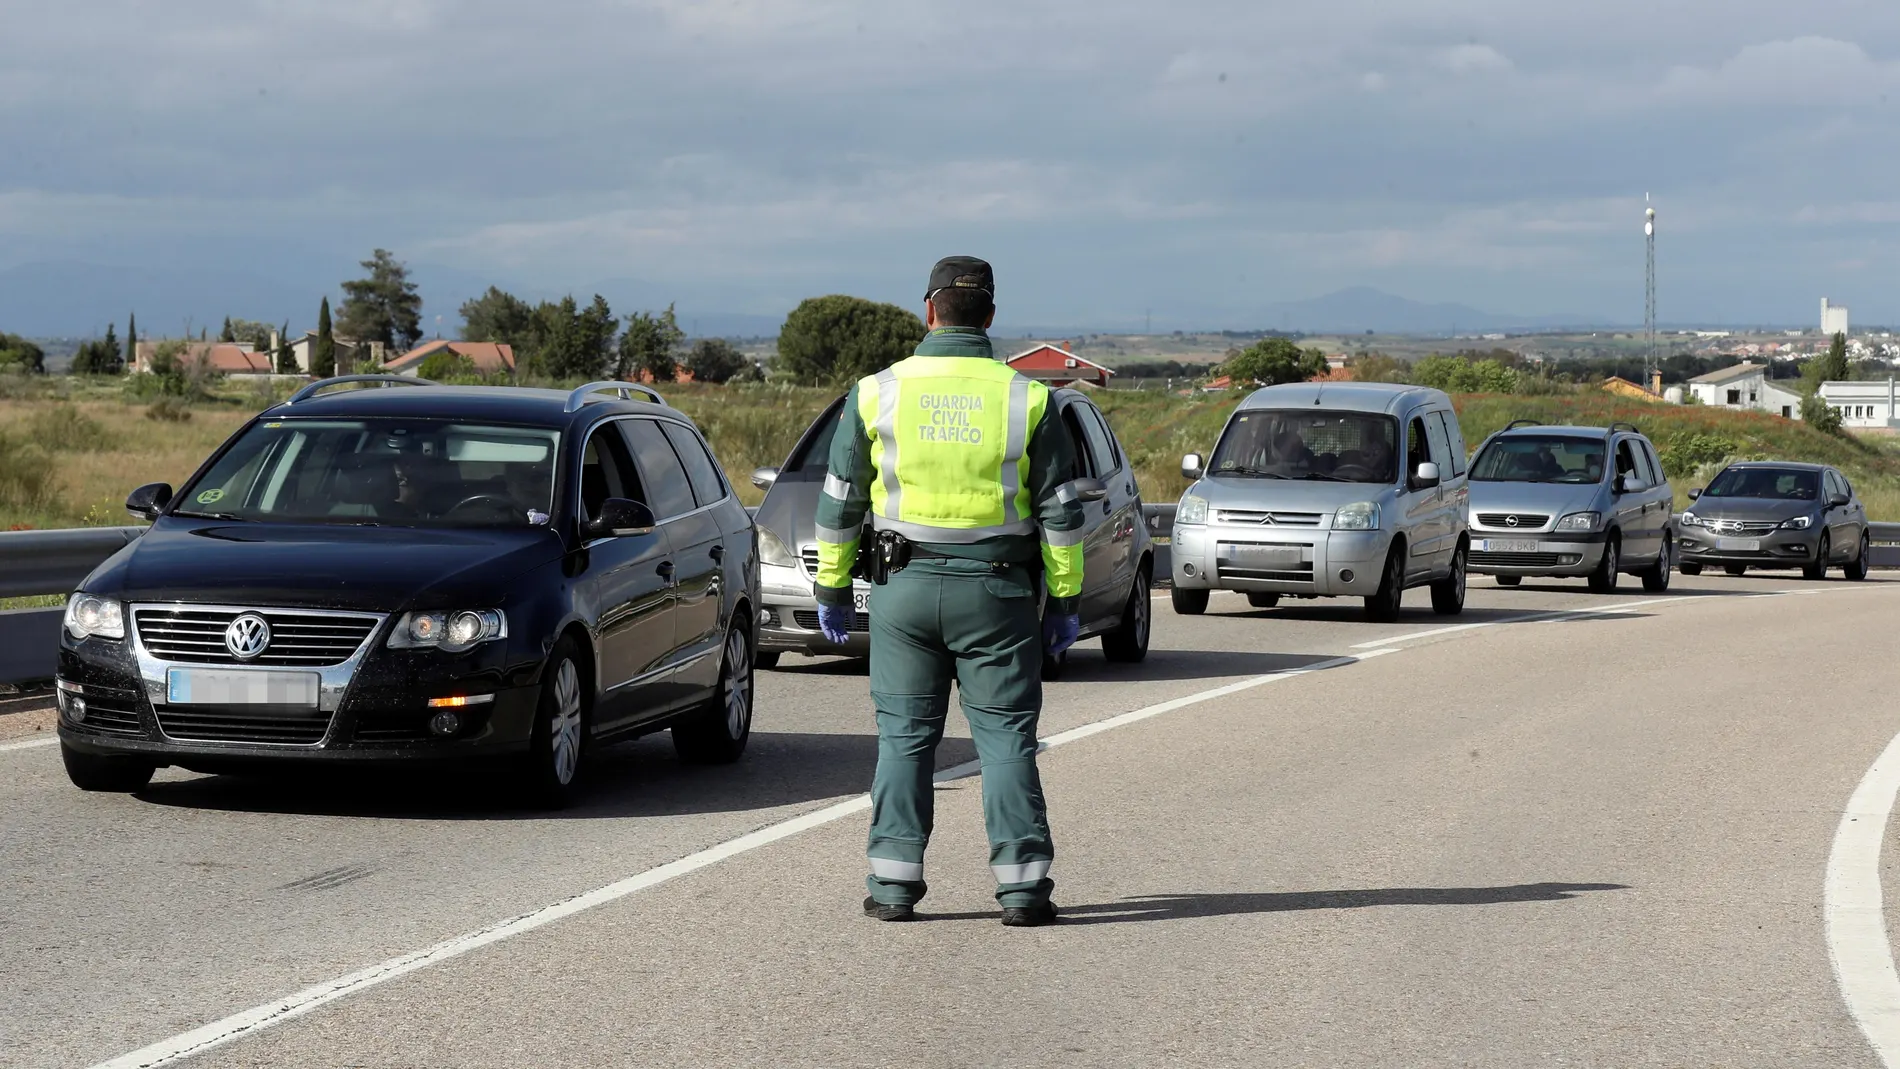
[1117,551]
[1327,490]
[1769,514]
[1570,501]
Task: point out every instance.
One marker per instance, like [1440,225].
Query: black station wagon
[431,572]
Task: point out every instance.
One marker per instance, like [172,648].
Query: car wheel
[1263,601]
[1128,643]
[1856,569]
[1384,606]
[1510,580]
[1735,569]
[1188,602]
[717,732]
[767,658]
[551,772]
[1656,578]
[1448,594]
[102,772]
[1690,568]
[1818,569]
[1603,580]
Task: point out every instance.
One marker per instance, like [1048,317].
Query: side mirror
[1192,467]
[1089,489]
[620,518]
[147,501]
[1426,477]
[1695,493]
[1633,484]
[763,478]
[1837,501]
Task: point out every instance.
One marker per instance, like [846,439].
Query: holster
[890,553]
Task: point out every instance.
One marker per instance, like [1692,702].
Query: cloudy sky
[1199,161]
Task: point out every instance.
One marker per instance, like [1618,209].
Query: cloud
[1471,59]
[1802,71]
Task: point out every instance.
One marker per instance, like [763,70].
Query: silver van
[1327,489]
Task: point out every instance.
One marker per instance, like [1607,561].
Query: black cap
[961,272]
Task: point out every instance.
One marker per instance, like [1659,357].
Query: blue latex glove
[836,621]
[1059,632]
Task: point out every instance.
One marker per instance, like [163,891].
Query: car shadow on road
[1190,906]
[1341,612]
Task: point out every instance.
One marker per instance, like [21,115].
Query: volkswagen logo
[247,636]
[1510,521]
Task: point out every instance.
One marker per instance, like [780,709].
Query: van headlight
[1358,516]
[773,551]
[1579,521]
[450,632]
[1191,510]
[88,616]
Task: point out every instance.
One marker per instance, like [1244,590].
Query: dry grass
[89,454]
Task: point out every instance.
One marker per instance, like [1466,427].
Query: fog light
[1187,569]
[73,707]
[767,617]
[1345,575]
[446,722]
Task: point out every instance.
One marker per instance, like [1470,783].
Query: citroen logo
[1510,521]
[247,636]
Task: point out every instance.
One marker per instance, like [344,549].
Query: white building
[1833,318]
[1745,386]
[1864,404]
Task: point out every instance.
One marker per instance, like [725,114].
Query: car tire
[1603,579]
[1736,570]
[1188,602]
[105,773]
[1510,580]
[1263,601]
[551,772]
[1818,569]
[1383,607]
[1448,594]
[1656,576]
[1856,570]
[1690,568]
[767,659]
[1128,642]
[716,733]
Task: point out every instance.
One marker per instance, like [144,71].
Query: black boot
[879,911]
[1029,916]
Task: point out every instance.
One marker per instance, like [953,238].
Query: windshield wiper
[1255,472]
[1325,477]
[209,515]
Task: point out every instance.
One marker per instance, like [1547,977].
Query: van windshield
[1293,443]
[1540,458]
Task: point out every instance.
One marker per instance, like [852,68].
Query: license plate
[1738,545]
[1507,545]
[205,686]
[861,600]
[1265,555]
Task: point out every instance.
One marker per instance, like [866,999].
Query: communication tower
[1650,363]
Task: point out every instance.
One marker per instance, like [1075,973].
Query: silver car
[1771,514]
[1117,551]
[1585,502]
[1323,490]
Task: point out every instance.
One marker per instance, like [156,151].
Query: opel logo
[247,636]
[1510,521]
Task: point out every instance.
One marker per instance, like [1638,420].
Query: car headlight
[1690,519]
[773,551]
[1579,521]
[1798,523]
[1191,510]
[1358,516]
[451,632]
[94,617]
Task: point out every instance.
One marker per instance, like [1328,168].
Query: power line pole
[1649,295]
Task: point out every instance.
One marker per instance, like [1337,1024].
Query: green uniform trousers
[977,623]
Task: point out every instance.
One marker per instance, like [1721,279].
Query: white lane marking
[7,747]
[251,1021]
[1534,617]
[1856,924]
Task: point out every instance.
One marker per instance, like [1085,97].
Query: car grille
[1525,560]
[408,726]
[1267,518]
[1730,528]
[194,724]
[810,558]
[110,711]
[808,619]
[298,639]
[1525,521]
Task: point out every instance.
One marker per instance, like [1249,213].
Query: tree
[499,316]
[445,365]
[836,339]
[132,341]
[20,356]
[1378,367]
[1817,413]
[648,346]
[715,360]
[1830,368]
[383,307]
[227,335]
[323,353]
[572,342]
[286,357]
[1459,374]
[99,357]
[1271,361]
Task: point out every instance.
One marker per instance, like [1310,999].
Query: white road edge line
[251,1021]
[1528,618]
[1857,941]
[6,747]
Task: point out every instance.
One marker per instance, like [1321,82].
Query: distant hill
[1362,308]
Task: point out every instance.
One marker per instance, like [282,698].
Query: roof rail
[622,390]
[1516,423]
[320,385]
[1631,427]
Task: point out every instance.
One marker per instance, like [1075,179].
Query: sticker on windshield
[211,496]
[537,517]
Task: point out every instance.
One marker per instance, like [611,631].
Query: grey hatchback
[1775,515]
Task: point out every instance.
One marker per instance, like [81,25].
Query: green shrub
[447,365]
[169,409]
[26,475]
[62,428]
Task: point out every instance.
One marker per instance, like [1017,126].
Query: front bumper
[1772,549]
[1279,560]
[789,622]
[1535,554]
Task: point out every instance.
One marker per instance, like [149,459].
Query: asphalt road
[1571,840]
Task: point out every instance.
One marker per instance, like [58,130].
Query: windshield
[384,472]
[1354,447]
[812,457]
[1527,458]
[1785,484]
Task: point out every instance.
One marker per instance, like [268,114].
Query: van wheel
[767,658]
[551,772]
[1128,643]
[1609,569]
[717,732]
[1818,570]
[1448,594]
[1856,569]
[106,773]
[1509,580]
[1656,577]
[1188,602]
[1263,601]
[1689,568]
[1383,607]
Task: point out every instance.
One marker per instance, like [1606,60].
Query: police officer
[961,463]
